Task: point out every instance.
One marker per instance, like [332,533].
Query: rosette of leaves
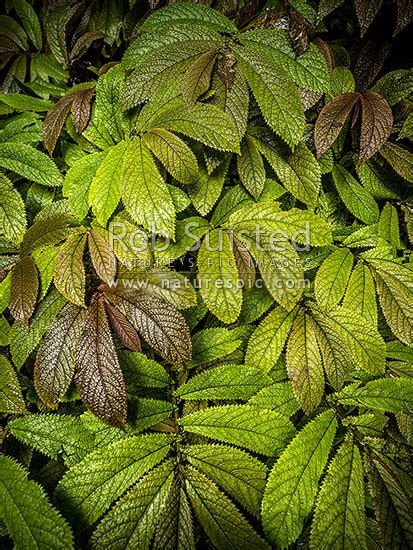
[249,383]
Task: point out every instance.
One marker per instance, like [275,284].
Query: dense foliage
[206,283]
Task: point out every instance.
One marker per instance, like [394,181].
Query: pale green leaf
[238,473]
[275,93]
[360,294]
[339,520]
[267,341]
[332,278]
[263,431]
[293,482]
[13,220]
[205,192]
[69,271]
[11,398]
[145,193]
[218,276]
[251,169]
[134,517]
[29,163]
[174,154]
[27,513]
[105,187]
[88,489]
[358,201]
[214,343]
[78,180]
[384,394]
[279,397]
[224,382]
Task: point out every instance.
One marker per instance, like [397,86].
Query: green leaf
[223,523]
[239,474]
[293,482]
[52,434]
[362,340]
[98,375]
[145,193]
[342,81]
[279,397]
[395,85]
[224,382]
[339,513]
[27,513]
[218,276]
[400,159]
[377,181]
[174,154]
[24,340]
[175,527]
[141,371]
[304,362]
[13,221]
[11,398]
[299,172]
[29,163]
[207,189]
[250,166]
[163,66]
[358,201]
[88,489]
[45,261]
[392,496]
[360,294]
[44,232]
[234,101]
[300,226]
[260,430]
[280,267]
[24,287]
[188,13]
[55,360]
[202,122]
[389,225]
[134,517]
[267,341]
[394,283]
[385,394]
[108,114]
[187,233]
[77,182]
[102,255]
[332,278]
[275,93]
[309,70]
[21,102]
[69,272]
[197,78]
[30,22]
[105,187]
[141,48]
[214,343]
[161,324]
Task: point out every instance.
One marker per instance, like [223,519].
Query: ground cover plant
[206,284]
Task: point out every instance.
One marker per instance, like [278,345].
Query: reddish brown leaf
[81,106]
[98,375]
[331,120]
[226,69]
[55,360]
[404,15]
[160,323]
[54,121]
[128,336]
[299,29]
[103,258]
[376,124]
[326,51]
[24,286]
[244,262]
[366,11]
[370,60]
